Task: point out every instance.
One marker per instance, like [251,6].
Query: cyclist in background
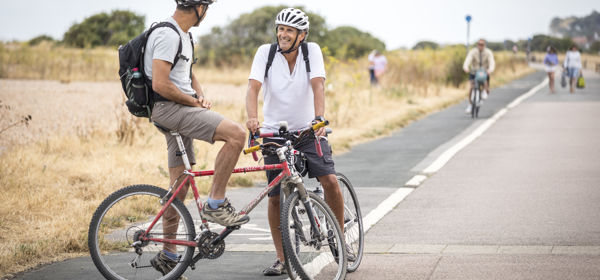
[180,105]
[296,96]
[479,57]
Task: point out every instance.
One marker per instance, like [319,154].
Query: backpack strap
[272,52]
[194,59]
[304,48]
[170,25]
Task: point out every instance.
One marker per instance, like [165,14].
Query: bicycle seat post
[184,157]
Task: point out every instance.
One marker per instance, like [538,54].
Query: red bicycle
[125,231]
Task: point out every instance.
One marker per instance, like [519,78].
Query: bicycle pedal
[234,227]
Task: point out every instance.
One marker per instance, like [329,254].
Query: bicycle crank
[207,248]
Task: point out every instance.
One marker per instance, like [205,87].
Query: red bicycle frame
[285,172]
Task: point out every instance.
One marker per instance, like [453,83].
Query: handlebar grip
[251,149]
[319,125]
[254,156]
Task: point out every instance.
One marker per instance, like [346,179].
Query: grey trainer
[275,270]
[224,215]
[164,265]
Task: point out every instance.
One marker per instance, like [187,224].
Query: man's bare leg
[274,216]
[170,217]
[333,196]
[233,135]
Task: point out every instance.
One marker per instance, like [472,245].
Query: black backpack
[136,84]
[273,50]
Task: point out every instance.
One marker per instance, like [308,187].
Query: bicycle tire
[109,222]
[287,265]
[353,223]
[329,258]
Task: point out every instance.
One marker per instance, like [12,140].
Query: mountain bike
[475,96]
[124,233]
[353,223]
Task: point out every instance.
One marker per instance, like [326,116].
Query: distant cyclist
[479,57]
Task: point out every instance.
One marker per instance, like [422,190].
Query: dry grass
[82,145]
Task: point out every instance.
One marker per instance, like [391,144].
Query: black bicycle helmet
[190,3]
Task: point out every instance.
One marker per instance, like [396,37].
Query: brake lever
[251,143]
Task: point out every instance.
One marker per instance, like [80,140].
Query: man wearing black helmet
[180,105]
[293,92]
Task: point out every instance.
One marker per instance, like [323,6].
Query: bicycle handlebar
[287,135]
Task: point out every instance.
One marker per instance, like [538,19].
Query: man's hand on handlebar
[252,124]
[320,131]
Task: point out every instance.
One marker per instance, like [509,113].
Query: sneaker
[164,264]
[484,95]
[468,109]
[350,256]
[275,270]
[224,215]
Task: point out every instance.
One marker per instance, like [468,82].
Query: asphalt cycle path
[377,169]
[520,202]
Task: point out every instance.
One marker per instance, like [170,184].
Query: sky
[398,23]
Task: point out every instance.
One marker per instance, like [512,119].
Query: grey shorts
[317,166]
[190,122]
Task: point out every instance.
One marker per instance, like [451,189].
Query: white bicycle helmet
[294,18]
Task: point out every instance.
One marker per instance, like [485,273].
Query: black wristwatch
[319,118]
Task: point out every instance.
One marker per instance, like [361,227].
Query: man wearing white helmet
[293,92]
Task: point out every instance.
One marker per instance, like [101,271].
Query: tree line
[227,45]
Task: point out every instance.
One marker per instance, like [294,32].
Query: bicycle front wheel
[312,250]
[353,223]
[115,236]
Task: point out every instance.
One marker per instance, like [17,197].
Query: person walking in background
[479,58]
[377,66]
[551,61]
[573,65]
[372,68]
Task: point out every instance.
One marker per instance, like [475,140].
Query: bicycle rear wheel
[121,219]
[474,102]
[312,254]
[353,224]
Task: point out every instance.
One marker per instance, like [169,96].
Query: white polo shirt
[287,96]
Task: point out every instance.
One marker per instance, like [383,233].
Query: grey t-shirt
[163,44]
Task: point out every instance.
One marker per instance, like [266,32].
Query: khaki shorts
[190,122]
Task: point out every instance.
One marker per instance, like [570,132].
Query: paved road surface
[517,200]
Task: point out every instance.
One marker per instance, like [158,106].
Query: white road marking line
[415,181]
[385,207]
